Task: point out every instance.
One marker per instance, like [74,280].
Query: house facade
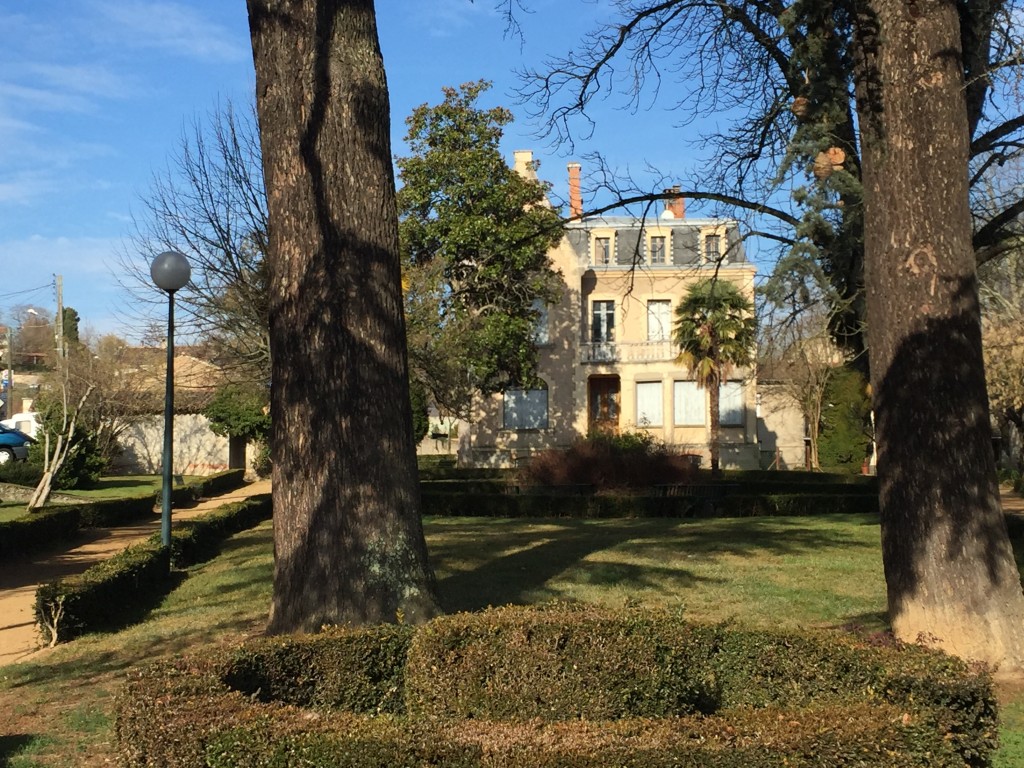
[605,352]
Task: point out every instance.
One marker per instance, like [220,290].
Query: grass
[788,572]
[114,487]
[11,510]
[119,486]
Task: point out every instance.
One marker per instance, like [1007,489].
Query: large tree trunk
[951,577]
[348,541]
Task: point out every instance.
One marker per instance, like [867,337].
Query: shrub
[21,473]
[628,460]
[554,676]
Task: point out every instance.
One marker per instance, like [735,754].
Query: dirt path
[19,637]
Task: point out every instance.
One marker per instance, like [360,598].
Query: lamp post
[170,271]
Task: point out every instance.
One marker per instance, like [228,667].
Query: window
[657,250]
[604,402]
[730,404]
[658,320]
[712,247]
[602,250]
[602,323]
[688,404]
[541,329]
[525,409]
[648,404]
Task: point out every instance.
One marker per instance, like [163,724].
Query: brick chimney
[575,197]
[675,208]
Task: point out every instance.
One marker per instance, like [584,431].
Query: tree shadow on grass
[12,745]
[484,563]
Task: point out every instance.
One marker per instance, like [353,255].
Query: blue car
[13,445]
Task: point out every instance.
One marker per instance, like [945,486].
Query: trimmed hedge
[119,590]
[561,686]
[38,530]
[27,534]
[445,504]
[355,671]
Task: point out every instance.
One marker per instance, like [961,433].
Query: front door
[603,397]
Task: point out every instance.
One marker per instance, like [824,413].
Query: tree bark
[348,540]
[950,573]
[715,399]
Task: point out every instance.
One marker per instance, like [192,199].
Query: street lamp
[170,271]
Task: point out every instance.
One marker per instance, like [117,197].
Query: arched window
[525,408]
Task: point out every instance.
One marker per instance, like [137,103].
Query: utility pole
[9,407]
[59,325]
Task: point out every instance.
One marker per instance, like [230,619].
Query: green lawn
[123,485]
[107,488]
[771,572]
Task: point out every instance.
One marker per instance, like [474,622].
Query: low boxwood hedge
[120,589]
[38,530]
[586,507]
[25,535]
[560,686]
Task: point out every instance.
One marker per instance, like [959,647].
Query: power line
[26,291]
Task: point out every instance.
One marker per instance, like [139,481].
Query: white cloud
[168,26]
[445,18]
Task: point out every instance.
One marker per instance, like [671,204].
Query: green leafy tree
[715,330]
[238,410]
[475,238]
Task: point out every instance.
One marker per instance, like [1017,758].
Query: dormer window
[602,250]
[712,248]
[658,249]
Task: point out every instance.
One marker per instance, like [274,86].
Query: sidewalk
[19,581]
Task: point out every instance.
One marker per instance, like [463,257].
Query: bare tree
[210,203]
[800,354]
[778,77]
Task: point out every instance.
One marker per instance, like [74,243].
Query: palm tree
[715,330]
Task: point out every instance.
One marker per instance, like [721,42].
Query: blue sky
[95,95]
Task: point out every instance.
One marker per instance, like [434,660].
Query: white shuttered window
[648,404]
[688,404]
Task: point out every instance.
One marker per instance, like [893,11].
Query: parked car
[13,445]
[27,422]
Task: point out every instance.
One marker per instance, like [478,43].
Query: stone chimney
[523,164]
[675,207]
[575,197]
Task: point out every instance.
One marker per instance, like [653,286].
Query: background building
[606,357]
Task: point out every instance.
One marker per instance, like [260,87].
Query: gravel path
[19,637]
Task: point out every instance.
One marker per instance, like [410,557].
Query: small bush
[21,473]
[629,460]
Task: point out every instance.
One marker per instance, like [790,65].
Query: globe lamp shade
[170,271]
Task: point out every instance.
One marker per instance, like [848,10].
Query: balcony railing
[627,352]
